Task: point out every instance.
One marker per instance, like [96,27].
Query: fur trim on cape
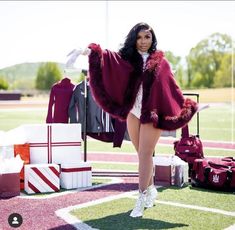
[155,86]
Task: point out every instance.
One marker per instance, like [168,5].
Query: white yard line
[46,196]
[115,162]
[78,224]
[214,210]
[24,109]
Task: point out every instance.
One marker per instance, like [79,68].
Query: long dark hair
[128,50]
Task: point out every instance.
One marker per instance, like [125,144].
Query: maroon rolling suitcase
[189,147]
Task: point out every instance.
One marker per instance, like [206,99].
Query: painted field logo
[215,178]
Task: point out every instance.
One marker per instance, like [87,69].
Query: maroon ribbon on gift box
[76,169]
[51,144]
[44,179]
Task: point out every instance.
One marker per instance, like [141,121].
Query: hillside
[23,76]
[25,70]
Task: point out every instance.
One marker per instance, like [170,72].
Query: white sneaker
[151,196]
[139,206]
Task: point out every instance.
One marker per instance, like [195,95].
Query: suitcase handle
[194,95]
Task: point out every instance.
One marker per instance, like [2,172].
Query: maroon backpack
[189,147]
[218,174]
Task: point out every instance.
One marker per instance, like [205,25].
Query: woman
[137,85]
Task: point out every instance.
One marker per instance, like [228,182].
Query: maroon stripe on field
[38,211]
[112,157]
[208,144]
[219,145]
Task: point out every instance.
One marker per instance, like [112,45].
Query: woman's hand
[73,55]
[86,51]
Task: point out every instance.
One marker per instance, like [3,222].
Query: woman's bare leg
[148,138]
[144,138]
[133,127]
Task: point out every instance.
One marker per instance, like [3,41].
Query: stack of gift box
[170,170]
[52,158]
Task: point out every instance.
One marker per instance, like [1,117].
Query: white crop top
[136,110]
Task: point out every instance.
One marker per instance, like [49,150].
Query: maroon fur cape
[115,83]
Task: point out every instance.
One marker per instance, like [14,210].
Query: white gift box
[6,152]
[41,178]
[76,175]
[53,143]
[170,171]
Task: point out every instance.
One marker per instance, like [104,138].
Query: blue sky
[33,31]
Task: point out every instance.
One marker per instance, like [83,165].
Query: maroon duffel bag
[218,174]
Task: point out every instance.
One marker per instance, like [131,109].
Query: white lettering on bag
[215,178]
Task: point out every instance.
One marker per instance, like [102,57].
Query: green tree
[223,77]
[197,80]
[48,73]
[205,61]
[3,83]
[176,66]
[174,60]
[180,76]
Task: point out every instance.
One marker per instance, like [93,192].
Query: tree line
[210,64]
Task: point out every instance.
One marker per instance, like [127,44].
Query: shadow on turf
[123,221]
[63,227]
[121,187]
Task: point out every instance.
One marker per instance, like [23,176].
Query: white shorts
[136,110]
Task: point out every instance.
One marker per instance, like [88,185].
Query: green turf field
[12,118]
[172,210]
[216,123]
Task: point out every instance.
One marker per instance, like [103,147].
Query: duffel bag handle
[229,159]
[213,164]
